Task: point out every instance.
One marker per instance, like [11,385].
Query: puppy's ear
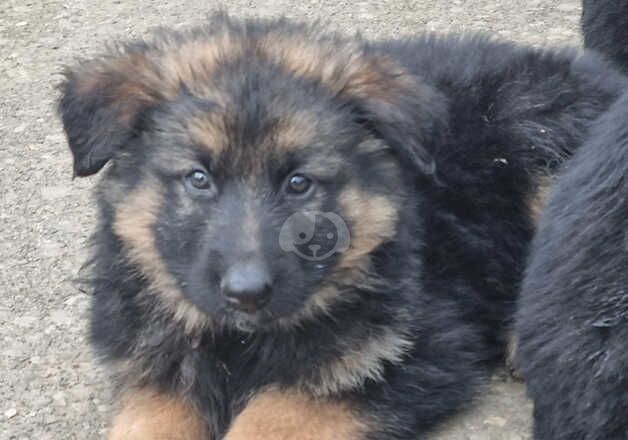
[100,104]
[397,107]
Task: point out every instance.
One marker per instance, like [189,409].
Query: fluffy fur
[433,151]
[572,321]
[573,318]
[605,29]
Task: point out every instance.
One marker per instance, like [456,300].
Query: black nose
[247,286]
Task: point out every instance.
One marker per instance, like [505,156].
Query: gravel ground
[49,386]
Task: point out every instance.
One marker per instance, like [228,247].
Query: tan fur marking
[146,415]
[127,81]
[296,130]
[320,301]
[316,305]
[133,223]
[193,61]
[373,221]
[208,132]
[536,201]
[344,69]
[138,90]
[330,64]
[134,80]
[277,415]
[363,362]
[95,74]
[250,237]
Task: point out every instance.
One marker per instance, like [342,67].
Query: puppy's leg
[294,416]
[147,415]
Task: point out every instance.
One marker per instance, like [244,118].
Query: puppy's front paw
[146,415]
[283,415]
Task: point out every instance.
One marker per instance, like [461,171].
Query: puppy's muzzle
[247,286]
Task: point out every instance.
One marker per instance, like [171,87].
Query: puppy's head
[255,167]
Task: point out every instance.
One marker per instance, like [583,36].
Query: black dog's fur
[409,332]
[605,28]
[573,317]
[572,322]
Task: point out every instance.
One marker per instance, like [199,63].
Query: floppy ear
[100,103]
[399,108]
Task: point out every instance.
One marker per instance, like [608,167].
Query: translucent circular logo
[314,236]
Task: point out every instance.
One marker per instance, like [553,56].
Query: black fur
[505,118]
[571,323]
[605,28]
[573,317]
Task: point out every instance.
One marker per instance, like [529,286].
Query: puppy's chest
[230,376]
[234,373]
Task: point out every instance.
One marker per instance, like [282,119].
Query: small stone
[10,413]
[49,419]
[59,398]
[50,249]
[50,330]
[568,7]
[25,321]
[54,138]
[55,192]
[80,392]
[60,317]
[41,402]
[496,421]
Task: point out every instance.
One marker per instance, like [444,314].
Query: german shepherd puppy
[309,236]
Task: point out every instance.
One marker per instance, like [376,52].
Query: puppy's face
[250,190]
[254,210]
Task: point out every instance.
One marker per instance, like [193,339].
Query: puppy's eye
[199,179]
[199,182]
[298,184]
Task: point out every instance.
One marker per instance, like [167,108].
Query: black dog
[572,322]
[239,150]
[605,28]
[573,318]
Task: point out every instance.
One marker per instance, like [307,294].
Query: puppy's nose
[247,286]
